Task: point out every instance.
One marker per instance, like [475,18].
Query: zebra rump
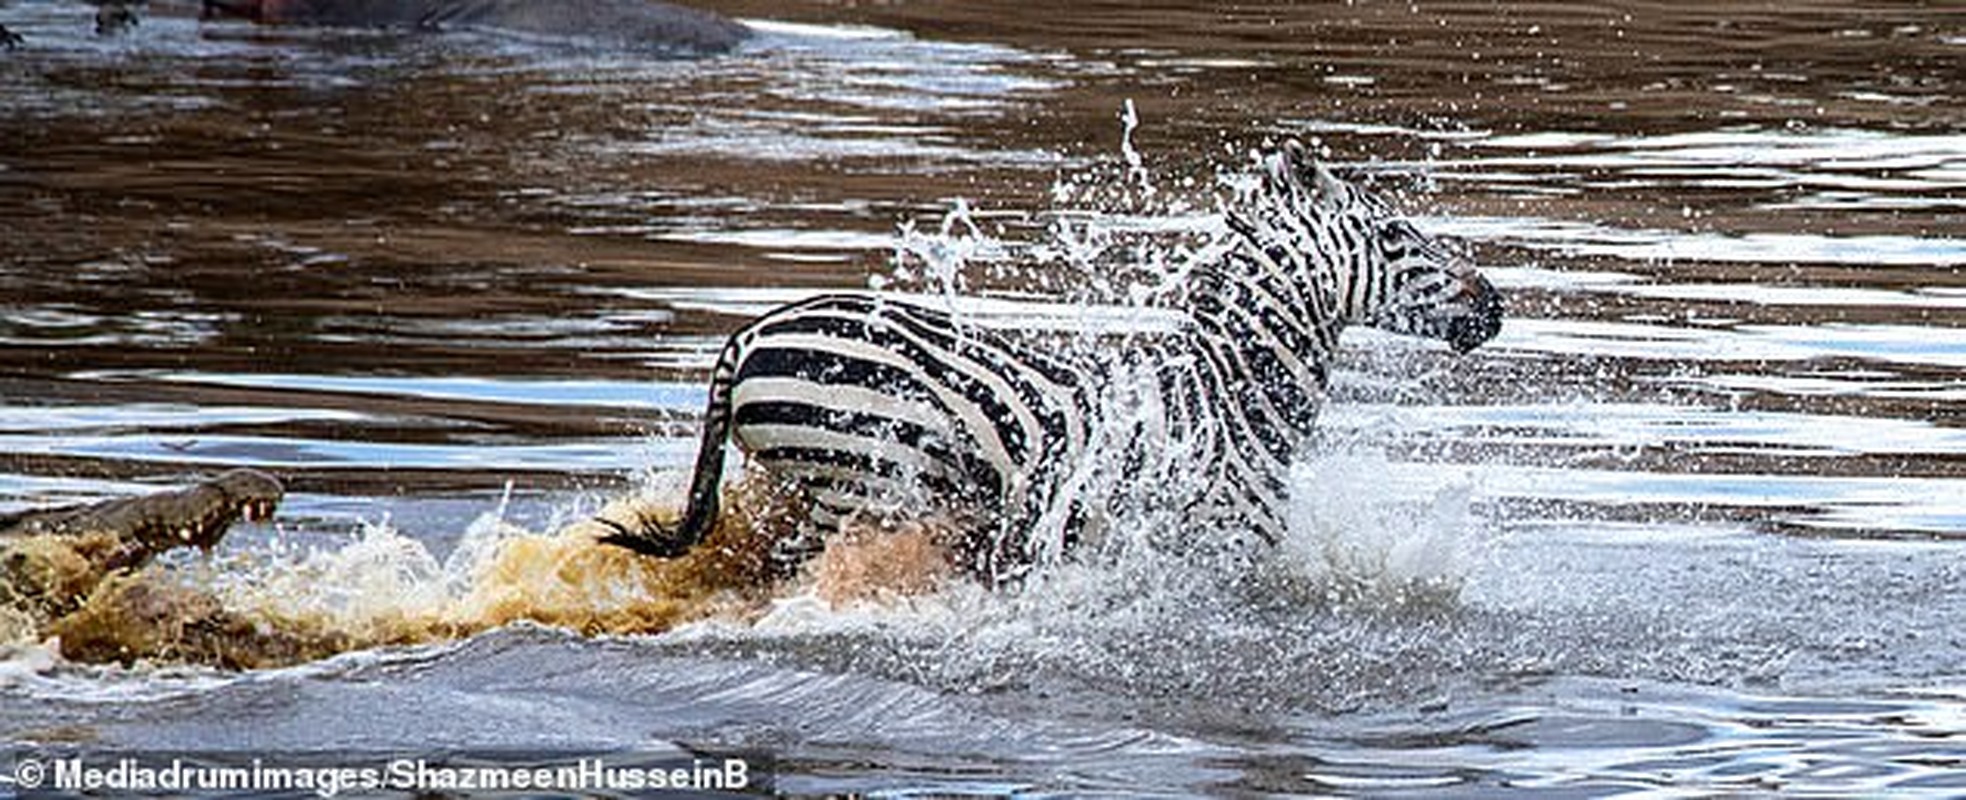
[864,403]
[867,404]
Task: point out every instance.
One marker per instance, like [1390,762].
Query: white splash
[1358,534]
[1117,242]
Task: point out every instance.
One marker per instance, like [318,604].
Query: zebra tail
[705,490]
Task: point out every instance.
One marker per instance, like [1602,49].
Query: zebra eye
[1395,237]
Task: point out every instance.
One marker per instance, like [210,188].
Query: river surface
[1694,523]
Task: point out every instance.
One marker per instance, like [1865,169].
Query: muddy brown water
[1700,507]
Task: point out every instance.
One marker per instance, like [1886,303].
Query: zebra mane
[1288,238]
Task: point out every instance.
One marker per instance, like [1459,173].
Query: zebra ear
[1297,166]
[1287,165]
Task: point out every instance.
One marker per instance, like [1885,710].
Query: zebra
[856,396]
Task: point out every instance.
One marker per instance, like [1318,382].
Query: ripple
[1688,429]
[1909,345]
[847,93]
[1665,246]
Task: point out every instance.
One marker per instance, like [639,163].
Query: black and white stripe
[869,404]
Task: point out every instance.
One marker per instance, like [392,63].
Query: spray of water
[1120,241]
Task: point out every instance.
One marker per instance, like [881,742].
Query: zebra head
[1380,270]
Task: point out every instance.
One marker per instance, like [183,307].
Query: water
[1691,524]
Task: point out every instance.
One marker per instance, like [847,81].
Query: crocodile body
[640,24]
[52,560]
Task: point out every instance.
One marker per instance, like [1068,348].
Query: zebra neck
[1269,373]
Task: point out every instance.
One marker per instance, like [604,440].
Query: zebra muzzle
[1481,320]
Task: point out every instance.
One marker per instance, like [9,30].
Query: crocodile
[54,561]
[82,579]
[644,24]
[75,575]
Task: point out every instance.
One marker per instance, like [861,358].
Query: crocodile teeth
[184,533]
